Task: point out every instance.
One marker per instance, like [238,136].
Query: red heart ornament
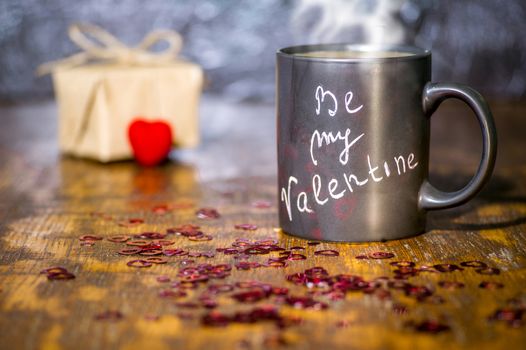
[151,141]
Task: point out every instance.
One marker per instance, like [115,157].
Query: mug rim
[414,52]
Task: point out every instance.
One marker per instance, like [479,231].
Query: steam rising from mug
[372,22]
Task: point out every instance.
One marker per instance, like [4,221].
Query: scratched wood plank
[47,204]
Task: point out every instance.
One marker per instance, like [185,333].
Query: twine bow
[99,45]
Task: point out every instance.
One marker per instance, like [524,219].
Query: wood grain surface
[48,202]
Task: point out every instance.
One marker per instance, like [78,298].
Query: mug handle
[433,95]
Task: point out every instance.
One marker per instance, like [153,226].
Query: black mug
[353,141]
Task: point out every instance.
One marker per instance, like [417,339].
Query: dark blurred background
[477,42]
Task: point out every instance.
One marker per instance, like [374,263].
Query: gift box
[103,89]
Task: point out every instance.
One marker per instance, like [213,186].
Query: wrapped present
[101,90]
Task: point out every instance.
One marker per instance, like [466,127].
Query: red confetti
[90,238]
[447,267]
[246,265]
[215,319]
[419,292]
[57,273]
[208,302]
[186,262]
[110,315]
[488,271]
[220,288]
[152,317]
[398,284]
[514,317]
[183,229]
[491,285]
[207,213]
[139,263]
[327,252]
[200,238]
[130,251]
[402,263]
[246,227]
[343,323]
[429,326]
[399,309]
[163,279]
[473,263]
[161,209]
[381,255]
[299,256]
[261,204]
[187,305]
[170,293]
[60,276]
[250,296]
[208,254]
[175,252]
[138,243]
[156,260]
[55,269]
[241,243]
[267,242]
[451,285]
[131,222]
[151,252]
[276,263]
[258,314]
[405,272]
[150,235]
[305,303]
[118,239]
[257,250]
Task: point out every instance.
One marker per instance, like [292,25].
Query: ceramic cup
[353,141]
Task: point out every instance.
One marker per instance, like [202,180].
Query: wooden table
[49,201]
